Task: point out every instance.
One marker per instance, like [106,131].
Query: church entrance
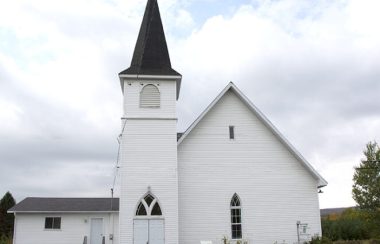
[148,231]
[148,225]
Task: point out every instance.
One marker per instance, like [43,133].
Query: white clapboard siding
[132,100]
[30,228]
[149,158]
[275,188]
[150,97]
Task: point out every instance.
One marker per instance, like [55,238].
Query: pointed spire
[151,55]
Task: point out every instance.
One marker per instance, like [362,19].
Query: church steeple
[148,142]
[151,56]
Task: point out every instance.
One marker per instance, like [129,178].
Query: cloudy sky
[312,67]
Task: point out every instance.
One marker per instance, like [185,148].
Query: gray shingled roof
[151,55]
[37,204]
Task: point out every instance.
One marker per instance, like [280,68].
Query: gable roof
[38,204]
[151,55]
[231,86]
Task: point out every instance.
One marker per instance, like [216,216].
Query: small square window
[53,223]
[232,132]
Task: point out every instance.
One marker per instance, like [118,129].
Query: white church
[231,177]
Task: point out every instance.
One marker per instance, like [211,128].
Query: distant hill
[328,211]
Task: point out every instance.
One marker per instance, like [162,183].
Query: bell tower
[148,160]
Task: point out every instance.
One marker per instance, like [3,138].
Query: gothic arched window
[236,217]
[148,206]
[150,97]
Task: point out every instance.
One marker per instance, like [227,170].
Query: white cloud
[310,66]
[340,174]
[9,116]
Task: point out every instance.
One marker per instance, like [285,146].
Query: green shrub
[351,225]
[349,242]
[320,240]
[5,240]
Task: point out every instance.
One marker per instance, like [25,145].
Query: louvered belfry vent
[150,97]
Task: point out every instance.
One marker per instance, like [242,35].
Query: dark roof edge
[69,204]
[165,72]
[100,211]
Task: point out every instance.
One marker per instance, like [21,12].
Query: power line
[116,169]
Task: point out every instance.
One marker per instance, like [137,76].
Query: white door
[156,231]
[148,231]
[140,231]
[96,231]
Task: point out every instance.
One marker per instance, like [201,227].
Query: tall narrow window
[235,206]
[232,132]
[150,97]
[148,206]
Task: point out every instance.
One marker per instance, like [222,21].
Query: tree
[6,220]
[366,188]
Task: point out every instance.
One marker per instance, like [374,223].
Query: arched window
[236,217]
[150,97]
[148,206]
